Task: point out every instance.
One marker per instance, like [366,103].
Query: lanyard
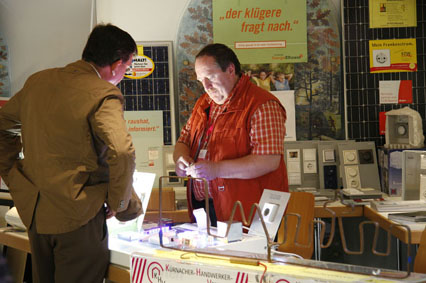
[210,126]
[206,133]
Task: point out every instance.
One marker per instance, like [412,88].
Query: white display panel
[142,183]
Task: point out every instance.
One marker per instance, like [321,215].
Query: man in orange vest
[234,138]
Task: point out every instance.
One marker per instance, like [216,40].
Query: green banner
[267,31]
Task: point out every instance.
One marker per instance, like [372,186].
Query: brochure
[413,216]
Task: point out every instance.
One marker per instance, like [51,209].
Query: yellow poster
[392,13]
[142,66]
[393,55]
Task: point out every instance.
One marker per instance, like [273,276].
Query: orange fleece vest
[230,140]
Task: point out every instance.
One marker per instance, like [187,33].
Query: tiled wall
[362,87]
[155,91]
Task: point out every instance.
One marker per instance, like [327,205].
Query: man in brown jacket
[68,159]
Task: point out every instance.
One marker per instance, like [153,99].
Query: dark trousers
[202,204]
[78,256]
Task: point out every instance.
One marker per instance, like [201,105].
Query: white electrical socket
[269,211]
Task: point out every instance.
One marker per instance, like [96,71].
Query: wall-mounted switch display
[352,177]
[330,177]
[350,157]
[328,155]
[366,156]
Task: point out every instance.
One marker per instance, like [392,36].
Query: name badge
[202,154]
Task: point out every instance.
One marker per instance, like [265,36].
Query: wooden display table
[339,209]
[398,231]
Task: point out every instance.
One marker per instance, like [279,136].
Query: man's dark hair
[223,56]
[107,44]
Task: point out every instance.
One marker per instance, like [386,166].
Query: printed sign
[149,270]
[194,269]
[146,129]
[269,31]
[393,55]
[142,66]
[286,97]
[400,92]
[392,13]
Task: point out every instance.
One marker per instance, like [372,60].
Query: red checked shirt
[266,134]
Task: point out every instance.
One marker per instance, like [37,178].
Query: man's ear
[116,64]
[231,68]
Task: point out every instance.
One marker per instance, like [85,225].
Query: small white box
[235,231]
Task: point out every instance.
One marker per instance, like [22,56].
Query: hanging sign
[142,66]
[261,32]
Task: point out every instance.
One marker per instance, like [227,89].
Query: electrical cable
[264,271]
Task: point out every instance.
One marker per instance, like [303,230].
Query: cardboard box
[167,201]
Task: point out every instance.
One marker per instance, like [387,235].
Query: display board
[148,85]
[362,87]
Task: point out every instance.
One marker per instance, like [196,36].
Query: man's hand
[109,212]
[246,167]
[203,169]
[182,164]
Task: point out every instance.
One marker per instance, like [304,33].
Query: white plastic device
[269,211]
[12,218]
[272,206]
[404,129]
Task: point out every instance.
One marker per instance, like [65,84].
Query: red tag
[382,123]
